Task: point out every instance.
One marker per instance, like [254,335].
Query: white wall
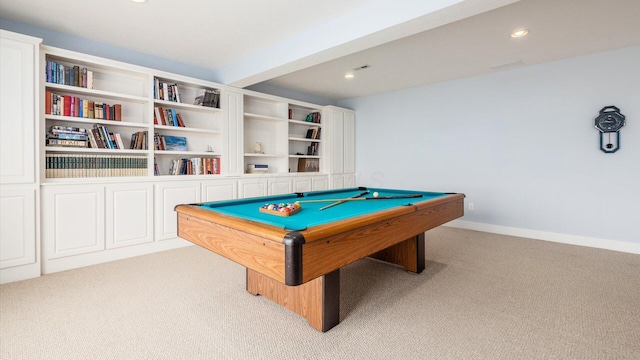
[521,144]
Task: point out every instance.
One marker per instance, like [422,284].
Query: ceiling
[308,46]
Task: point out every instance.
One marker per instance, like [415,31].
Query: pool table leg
[408,254]
[317,300]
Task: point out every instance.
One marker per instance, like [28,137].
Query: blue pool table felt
[311,215]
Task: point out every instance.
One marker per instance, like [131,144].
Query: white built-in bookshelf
[282,134]
[101,202]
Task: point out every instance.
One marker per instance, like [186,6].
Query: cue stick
[369,198]
[341,201]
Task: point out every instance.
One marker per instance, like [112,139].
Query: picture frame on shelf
[308,165]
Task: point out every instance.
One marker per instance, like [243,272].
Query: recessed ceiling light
[139,1]
[349,76]
[519,33]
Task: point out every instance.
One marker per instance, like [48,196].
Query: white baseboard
[615,245]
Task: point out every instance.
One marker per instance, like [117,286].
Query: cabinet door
[232,162]
[252,188]
[73,220]
[279,186]
[337,181]
[18,110]
[302,184]
[167,196]
[349,181]
[18,251]
[129,214]
[337,141]
[320,183]
[349,141]
[219,190]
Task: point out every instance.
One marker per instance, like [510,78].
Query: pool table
[295,260]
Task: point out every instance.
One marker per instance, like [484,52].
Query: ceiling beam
[377,23]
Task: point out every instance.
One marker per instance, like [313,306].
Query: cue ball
[375,194]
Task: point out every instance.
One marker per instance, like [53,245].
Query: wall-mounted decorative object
[609,123]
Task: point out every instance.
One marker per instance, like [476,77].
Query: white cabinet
[232,163]
[167,196]
[252,187]
[310,183]
[217,190]
[279,185]
[19,258]
[19,200]
[341,124]
[129,219]
[90,203]
[18,56]
[302,184]
[73,221]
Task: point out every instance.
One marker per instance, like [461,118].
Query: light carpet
[481,296]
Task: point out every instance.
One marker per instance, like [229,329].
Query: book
[117,109]
[68,136]
[68,143]
[57,129]
[119,141]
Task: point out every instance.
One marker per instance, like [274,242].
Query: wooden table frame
[301,270]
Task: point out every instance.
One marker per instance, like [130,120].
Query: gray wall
[521,144]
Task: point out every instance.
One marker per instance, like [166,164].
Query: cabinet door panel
[167,197]
[129,218]
[302,184]
[337,182]
[17,114]
[349,181]
[337,142]
[252,188]
[73,220]
[280,186]
[320,183]
[17,233]
[219,190]
[349,142]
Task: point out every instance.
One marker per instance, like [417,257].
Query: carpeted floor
[481,296]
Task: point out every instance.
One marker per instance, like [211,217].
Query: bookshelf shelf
[304,123]
[77,120]
[304,139]
[187,129]
[61,149]
[177,105]
[186,153]
[250,116]
[76,90]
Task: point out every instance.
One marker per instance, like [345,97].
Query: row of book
[139,141]
[314,117]
[57,73]
[165,91]
[168,117]
[168,142]
[94,165]
[312,149]
[99,137]
[67,105]
[195,166]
